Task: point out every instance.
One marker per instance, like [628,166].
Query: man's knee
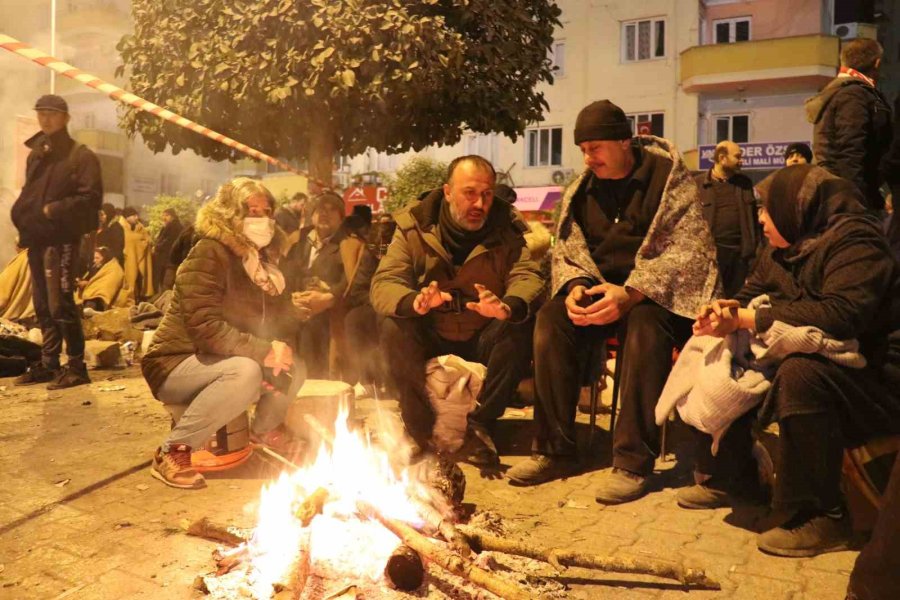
[647,327]
[245,373]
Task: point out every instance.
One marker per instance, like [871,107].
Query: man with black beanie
[59,204]
[634,258]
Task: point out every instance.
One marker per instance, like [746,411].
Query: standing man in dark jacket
[852,121]
[730,209]
[890,169]
[59,203]
[633,258]
[458,279]
[162,246]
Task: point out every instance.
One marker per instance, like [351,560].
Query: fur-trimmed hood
[213,224]
[676,263]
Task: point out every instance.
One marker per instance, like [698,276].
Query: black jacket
[851,133]
[327,266]
[113,237]
[66,179]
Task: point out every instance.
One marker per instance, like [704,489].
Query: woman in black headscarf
[827,265]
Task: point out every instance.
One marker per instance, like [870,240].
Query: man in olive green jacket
[458,279]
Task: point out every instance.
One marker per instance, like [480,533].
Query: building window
[557,56]
[733,127]
[643,40]
[169,184]
[727,31]
[543,147]
[481,144]
[647,124]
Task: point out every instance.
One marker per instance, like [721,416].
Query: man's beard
[462,222]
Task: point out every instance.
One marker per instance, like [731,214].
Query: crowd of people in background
[646,253]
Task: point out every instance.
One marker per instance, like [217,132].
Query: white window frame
[534,133]
[557,55]
[714,129]
[634,118]
[477,143]
[636,24]
[732,29]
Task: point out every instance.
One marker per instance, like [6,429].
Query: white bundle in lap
[453,386]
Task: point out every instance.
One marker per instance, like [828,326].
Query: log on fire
[214,531]
[444,557]
[570,558]
[405,569]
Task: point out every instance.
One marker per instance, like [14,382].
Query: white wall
[772,118]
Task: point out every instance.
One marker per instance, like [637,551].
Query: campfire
[353,524]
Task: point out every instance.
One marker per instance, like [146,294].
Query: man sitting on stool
[458,279]
[633,258]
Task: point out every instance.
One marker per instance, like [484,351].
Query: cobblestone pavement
[80,517]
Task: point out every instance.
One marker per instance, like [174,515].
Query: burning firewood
[436,521]
[444,557]
[311,506]
[570,558]
[213,531]
[404,569]
[229,560]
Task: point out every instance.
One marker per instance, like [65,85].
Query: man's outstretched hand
[489,305]
[430,297]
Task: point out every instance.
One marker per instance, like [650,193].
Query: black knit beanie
[601,120]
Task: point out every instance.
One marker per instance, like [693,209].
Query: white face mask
[259,230]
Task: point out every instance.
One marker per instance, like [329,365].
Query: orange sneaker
[174,468]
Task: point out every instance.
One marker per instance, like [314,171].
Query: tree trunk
[321,152]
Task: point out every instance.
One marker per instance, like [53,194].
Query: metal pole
[53,43]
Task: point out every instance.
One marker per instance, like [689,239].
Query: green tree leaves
[392,75]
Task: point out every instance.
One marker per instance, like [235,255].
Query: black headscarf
[805,200]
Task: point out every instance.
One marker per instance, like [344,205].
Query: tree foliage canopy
[418,175]
[185,207]
[293,78]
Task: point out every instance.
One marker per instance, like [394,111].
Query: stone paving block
[717,566]
[835,562]
[659,544]
[678,520]
[37,560]
[120,584]
[773,567]
[40,586]
[723,543]
[824,585]
[754,587]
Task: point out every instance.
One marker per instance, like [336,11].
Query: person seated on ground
[827,265]
[797,153]
[221,336]
[162,246]
[110,234]
[458,279]
[315,276]
[138,259]
[101,286]
[634,258]
[16,303]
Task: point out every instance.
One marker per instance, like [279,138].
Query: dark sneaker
[807,534]
[703,496]
[716,493]
[621,486]
[37,374]
[541,468]
[70,377]
[174,468]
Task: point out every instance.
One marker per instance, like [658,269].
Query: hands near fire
[721,317]
[489,305]
[312,303]
[615,303]
[280,358]
[430,297]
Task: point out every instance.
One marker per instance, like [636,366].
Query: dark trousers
[407,344]
[735,453]
[364,364]
[561,350]
[876,575]
[53,271]
[314,344]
